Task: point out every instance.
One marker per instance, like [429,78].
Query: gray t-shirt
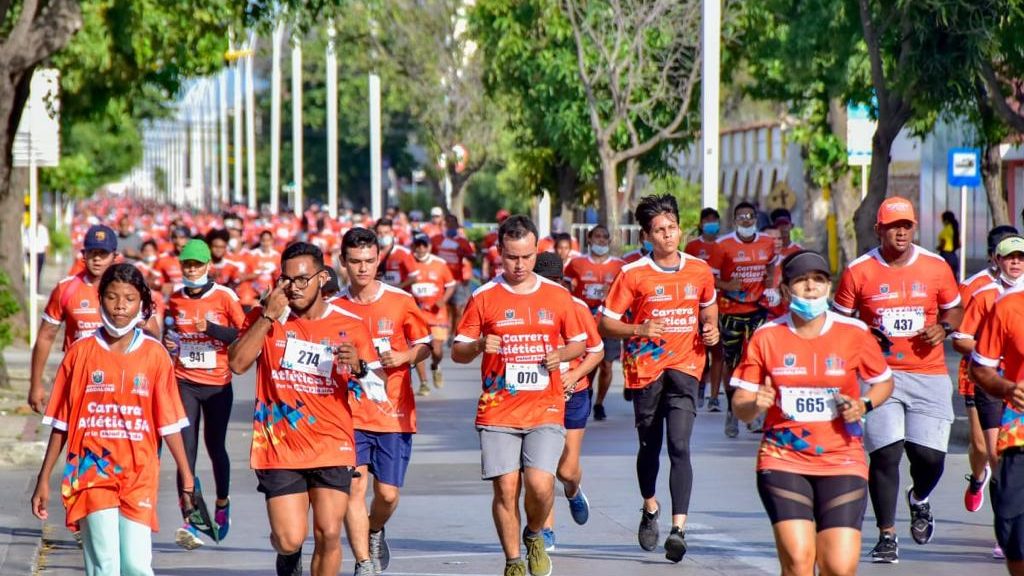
[130,245]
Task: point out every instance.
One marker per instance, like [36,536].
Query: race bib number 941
[303,356]
[198,355]
[809,404]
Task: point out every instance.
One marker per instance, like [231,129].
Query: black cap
[781,213]
[799,263]
[420,238]
[548,265]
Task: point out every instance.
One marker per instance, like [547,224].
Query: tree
[639,64]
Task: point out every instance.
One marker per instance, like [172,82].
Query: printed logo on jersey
[918,290]
[544,316]
[385,327]
[835,366]
[789,367]
[140,385]
[690,292]
[510,319]
[97,377]
[741,256]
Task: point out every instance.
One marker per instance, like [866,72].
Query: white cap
[436,211]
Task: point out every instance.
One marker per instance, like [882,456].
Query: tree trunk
[878,184]
[611,215]
[632,170]
[568,182]
[992,177]
[844,198]
[12,207]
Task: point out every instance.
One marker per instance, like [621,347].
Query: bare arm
[176,446]
[244,351]
[40,352]
[466,352]
[41,495]
[612,328]
[964,346]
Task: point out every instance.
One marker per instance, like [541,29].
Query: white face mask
[598,250]
[746,231]
[385,241]
[114,331]
[1007,280]
[198,283]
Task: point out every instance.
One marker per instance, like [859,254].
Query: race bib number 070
[526,377]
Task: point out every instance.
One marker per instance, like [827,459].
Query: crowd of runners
[163,307]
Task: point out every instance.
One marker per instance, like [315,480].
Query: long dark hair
[128,274]
[950,218]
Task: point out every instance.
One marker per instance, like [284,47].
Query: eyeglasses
[744,217]
[300,282]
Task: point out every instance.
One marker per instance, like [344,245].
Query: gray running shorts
[612,349]
[506,450]
[920,410]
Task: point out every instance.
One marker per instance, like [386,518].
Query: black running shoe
[922,524]
[290,565]
[887,551]
[648,532]
[675,545]
[599,413]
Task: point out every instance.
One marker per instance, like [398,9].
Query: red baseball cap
[501,215]
[895,209]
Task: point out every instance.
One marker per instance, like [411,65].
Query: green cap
[1009,245]
[197,250]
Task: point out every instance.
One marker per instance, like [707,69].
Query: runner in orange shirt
[591,277]
[674,318]
[223,270]
[111,475]
[204,318]
[432,286]
[997,365]
[491,239]
[743,264]
[909,297]
[517,322]
[383,411]
[701,247]
[167,264]
[577,405]
[455,250]
[395,260]
[307,353]
[74,302]
[802,371]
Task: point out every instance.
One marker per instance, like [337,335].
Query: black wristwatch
[868,405]
[364,369]
[947,327]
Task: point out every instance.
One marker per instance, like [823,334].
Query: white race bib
[903,322]
[526,377]
[382,345]
[374,387]
[424,289]
[809,404]
[303,356]
[594,291]
[198,355]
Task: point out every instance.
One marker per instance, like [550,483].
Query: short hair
[996,235]
[358,238]
[590,233]
[217,234]
[708,212]
[266,232]
[149,243]
[561,237]
[299,249]
[128,274]
[383,222]
[516,227]
[652,206]
[743,205]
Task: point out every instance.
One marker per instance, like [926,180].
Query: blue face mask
[648,247]
[808,309]
[711,228]
[196,283]
[451,232]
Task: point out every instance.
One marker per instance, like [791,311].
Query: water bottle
[854,429]
[172,335]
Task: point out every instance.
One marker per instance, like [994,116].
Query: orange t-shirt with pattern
[395,323]
[673,297]
[201,358]
[594,343]
[699,248]
[433,278]
[591,280]
[452,251]
[302,417]
[748,261]
[75,301]
[518,392]
[113,406]
[967,289]
[398,266]
[803,432]
[1000,342]
[901,302]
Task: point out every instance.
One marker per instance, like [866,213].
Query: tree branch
[874,53]
[34,40]
[999,103]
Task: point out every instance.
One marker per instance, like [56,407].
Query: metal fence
[630,233]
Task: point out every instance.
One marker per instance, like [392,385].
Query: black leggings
[926,466]
[828,501]
[214,404]
[670,399]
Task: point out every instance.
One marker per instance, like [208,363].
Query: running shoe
[732,425]
[517,568]
[222,520]
[599,413]
[997,552]
[290,565]
[424,390]
[714,405]
[756,426]
[187,537]
[380,551]
[77,534]
[579,507]
[922,524]
[549,539]
[974,496]
[364,568]
[647,534]
[675,545]
[536,555]
[438,378]
[887,551]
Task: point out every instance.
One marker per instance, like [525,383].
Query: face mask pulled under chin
[114,331]
[746,231]
[808,308]
[198,283]
[1009,281]
[598,250]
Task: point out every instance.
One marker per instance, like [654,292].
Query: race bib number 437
[904,321]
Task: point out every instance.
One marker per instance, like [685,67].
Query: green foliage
[59,240]
[8,308]
[494,188]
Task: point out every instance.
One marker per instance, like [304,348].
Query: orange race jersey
[518,392]
[302,417]
[633,256]
[433,277]
[748,261]
[591,280]
[901,302]
[674,298]
[699,248]
[967,290]
[973,284]
[112,406]
[397,266]
[395,323]
[999,340]
[76,302]
[452,251]
[493,258]
[203,359]
[594,344]
[803,432]
[226,272]
[169,268]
